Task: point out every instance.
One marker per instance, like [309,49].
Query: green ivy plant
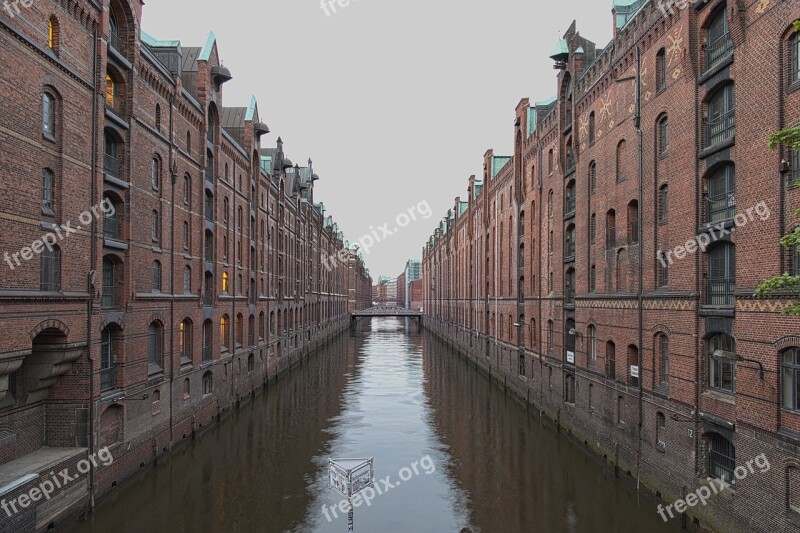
[785,284]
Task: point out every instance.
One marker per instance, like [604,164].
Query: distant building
[385,292]
[411,272]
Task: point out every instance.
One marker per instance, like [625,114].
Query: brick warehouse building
[211,274]
[558,273]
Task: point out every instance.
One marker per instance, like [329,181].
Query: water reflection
[398,396]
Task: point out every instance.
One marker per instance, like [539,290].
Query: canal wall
[603,420]
[240,385]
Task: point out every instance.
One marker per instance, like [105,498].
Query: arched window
[718,39]
[592,334]
[50,269]
[53,34]
[225,282]
[239,329]
[721,275]
[208,383]
[569,198]
[622,169]
[225,210]
[110,343]
[155,226]
[112,219]
[550,161]
[721,458]
[633,222]
[794,58]
[790,379]
[155,278]
[722,363]
[663,204]
[592,177]
[155,173]
[721,193]
[793,491]
[662,351]
[113,31]
[225,332]
[111,92]
[186,340]
[48,181]
[611,360]
[663,136]
[189,142]
[721,121]
[155,347]
[550,203]
[49,115]
[111,155]
[661,70]
[111,282]
[611,229]
[569,242]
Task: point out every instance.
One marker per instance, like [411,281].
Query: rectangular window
[663,136]
[790,379]
[156,227]
[795,57]
[720,373]
[794,176]
[47,189]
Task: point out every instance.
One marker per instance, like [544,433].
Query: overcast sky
[395,101]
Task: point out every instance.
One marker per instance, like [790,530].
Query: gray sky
[395,102]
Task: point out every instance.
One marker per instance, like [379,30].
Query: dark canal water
[457,451]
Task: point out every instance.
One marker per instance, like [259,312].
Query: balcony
[721,292]
[721,128]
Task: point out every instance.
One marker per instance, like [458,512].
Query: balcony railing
[108,378]
[721,206]
[611,238]
[111,165]
[721,292]
[569,248]
[721,128]
[718,50]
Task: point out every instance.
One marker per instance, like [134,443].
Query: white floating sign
[348,477]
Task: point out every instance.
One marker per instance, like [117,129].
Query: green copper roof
[205,53]
[531,121]
[560,48]
[251,110]
[151,41]
[498,162]
[462,207]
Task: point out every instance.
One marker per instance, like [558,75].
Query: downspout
[640,296]
[539,288]
[174,176]
[92,272]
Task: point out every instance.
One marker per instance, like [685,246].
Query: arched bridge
[399,312]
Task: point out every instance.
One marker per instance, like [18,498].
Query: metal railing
[111,227]
[721,292]
[111,165]
[721,206]
[718,50]
[721,128]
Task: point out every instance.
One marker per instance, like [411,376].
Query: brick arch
[660,328]
[50,324]
[155,317]
[789,341]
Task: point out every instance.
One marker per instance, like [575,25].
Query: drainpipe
[92,262]
[640,296]
[174,176]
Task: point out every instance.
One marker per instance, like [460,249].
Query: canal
[457,452]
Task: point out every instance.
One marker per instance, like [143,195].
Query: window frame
[717,363]
[50,269]
[793,368]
